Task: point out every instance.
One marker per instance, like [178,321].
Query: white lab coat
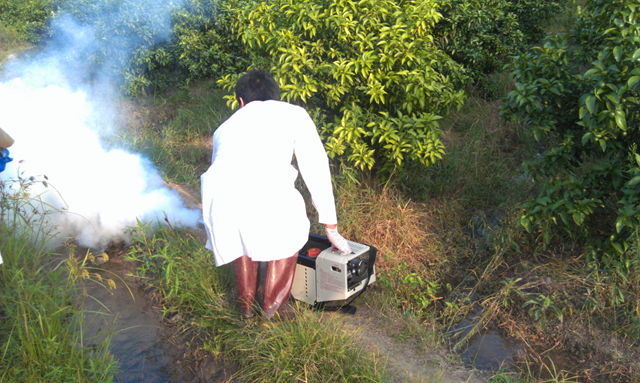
[249,201]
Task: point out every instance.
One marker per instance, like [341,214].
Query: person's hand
[337,240]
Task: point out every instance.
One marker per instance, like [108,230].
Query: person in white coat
[251,208]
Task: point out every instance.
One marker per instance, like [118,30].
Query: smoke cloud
[59,103]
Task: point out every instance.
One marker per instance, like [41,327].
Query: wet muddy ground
[488,350]
[148,348]
[409,357]
[491,351]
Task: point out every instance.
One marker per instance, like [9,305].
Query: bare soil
[409,355]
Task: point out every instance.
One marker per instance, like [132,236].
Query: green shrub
[579,95]
[121,32]
[28,18]
[201,47]
[145,44]
[532,16]
[480,34]
[370,69]
[204,44]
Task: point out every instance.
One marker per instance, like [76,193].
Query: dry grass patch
[400,228]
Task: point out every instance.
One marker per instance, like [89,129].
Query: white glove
[338,241]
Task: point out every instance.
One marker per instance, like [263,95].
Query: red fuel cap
[313,252]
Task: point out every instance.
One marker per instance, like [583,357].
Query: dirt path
[404,344]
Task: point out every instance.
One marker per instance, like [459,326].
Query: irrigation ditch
[149,347]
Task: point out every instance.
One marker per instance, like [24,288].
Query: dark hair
[257,85]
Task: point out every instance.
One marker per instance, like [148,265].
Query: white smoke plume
[58,103]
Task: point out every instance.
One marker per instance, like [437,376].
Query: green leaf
[635,180]
[590,102]
[636,55]
[617,53]
[591,72]
[578,218]
[617,246]
[621,119]
[633,80]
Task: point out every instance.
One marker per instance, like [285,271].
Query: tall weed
[41,327]
[308,348]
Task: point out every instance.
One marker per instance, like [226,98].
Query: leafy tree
[143,43]
[483,34]
[579,95]
[202,46]
[28,18]
[479,34]
[370,69]
[531,16]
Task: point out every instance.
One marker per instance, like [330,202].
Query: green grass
[506,378]
[176,130]
[483,155]
[41,334]
[309,347]
[41,322]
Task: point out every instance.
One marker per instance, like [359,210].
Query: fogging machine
[324,276]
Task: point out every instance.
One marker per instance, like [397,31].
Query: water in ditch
[489,349]
[147,349]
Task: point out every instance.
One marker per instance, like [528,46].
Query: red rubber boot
[246,272]
[277,284]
